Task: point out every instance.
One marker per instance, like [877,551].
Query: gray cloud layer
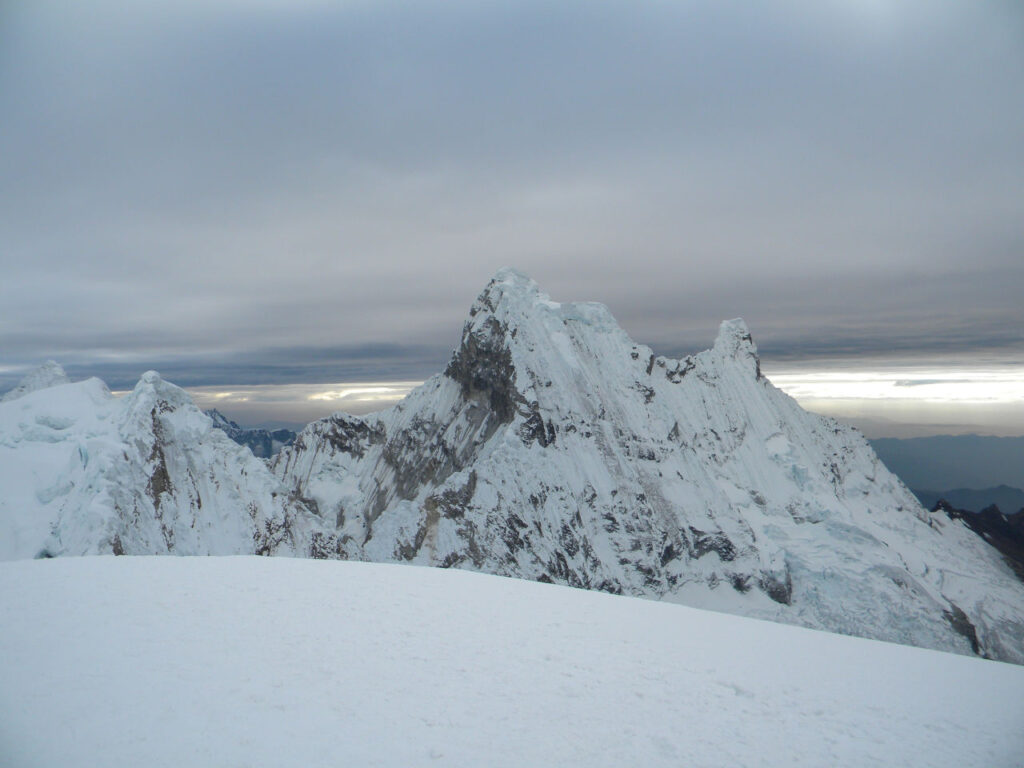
[275,190]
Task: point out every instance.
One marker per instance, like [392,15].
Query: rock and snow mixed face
[83,472]
[263,443]
[552,448]
[555,448]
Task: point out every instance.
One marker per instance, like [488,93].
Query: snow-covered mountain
[263,443]
[286,663]
[83,472]
[49,374]
[554,448]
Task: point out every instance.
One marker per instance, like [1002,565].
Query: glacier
[49,374]
[552,448]
[555,448]
[83,472]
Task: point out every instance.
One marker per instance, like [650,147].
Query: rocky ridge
[263,443]
[555,448]
[84,473]
[551,448]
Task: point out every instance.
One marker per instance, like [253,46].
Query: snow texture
[49,374]
[552,448]
[555,448]
[82,472]
[283,662]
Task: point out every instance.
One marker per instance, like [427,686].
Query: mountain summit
[49,374]
[555,448]
[83,472]
[551,448]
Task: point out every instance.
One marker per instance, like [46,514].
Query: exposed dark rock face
[535,429]
[263,443]
[779,587]
[482,366]
[718,542]
[962,625]
[452,503]
[353,436]
[1004,532]
[159,481]
[554,448]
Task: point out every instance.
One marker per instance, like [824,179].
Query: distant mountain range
[263,443]
[971,472]
[1004,497]
[1003,531]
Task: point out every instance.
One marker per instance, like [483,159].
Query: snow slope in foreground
[271,661]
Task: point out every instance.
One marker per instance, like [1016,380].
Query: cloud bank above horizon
[893,402]
[271,193]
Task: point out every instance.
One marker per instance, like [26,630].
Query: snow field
[246,661]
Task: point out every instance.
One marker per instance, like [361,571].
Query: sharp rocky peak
[516,337]
[507,286]
[734,337]
[512,300]
[556,448]
[152,389]
[220,420]
[156,410]
[734,343]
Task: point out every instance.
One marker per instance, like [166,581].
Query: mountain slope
[83,472]
[284,662]
[1002,531]
[554,448]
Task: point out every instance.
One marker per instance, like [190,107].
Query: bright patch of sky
[902,401]
[967,387]
[883,402]
[299,403]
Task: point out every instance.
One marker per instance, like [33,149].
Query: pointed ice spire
[49,374]
[734,342]
[512,277]
[507,289]
[153,391]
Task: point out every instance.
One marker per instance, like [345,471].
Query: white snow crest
[49,374]
[555,448]
[552,448]
[85,473]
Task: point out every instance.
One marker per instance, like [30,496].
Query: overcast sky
[267,192]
